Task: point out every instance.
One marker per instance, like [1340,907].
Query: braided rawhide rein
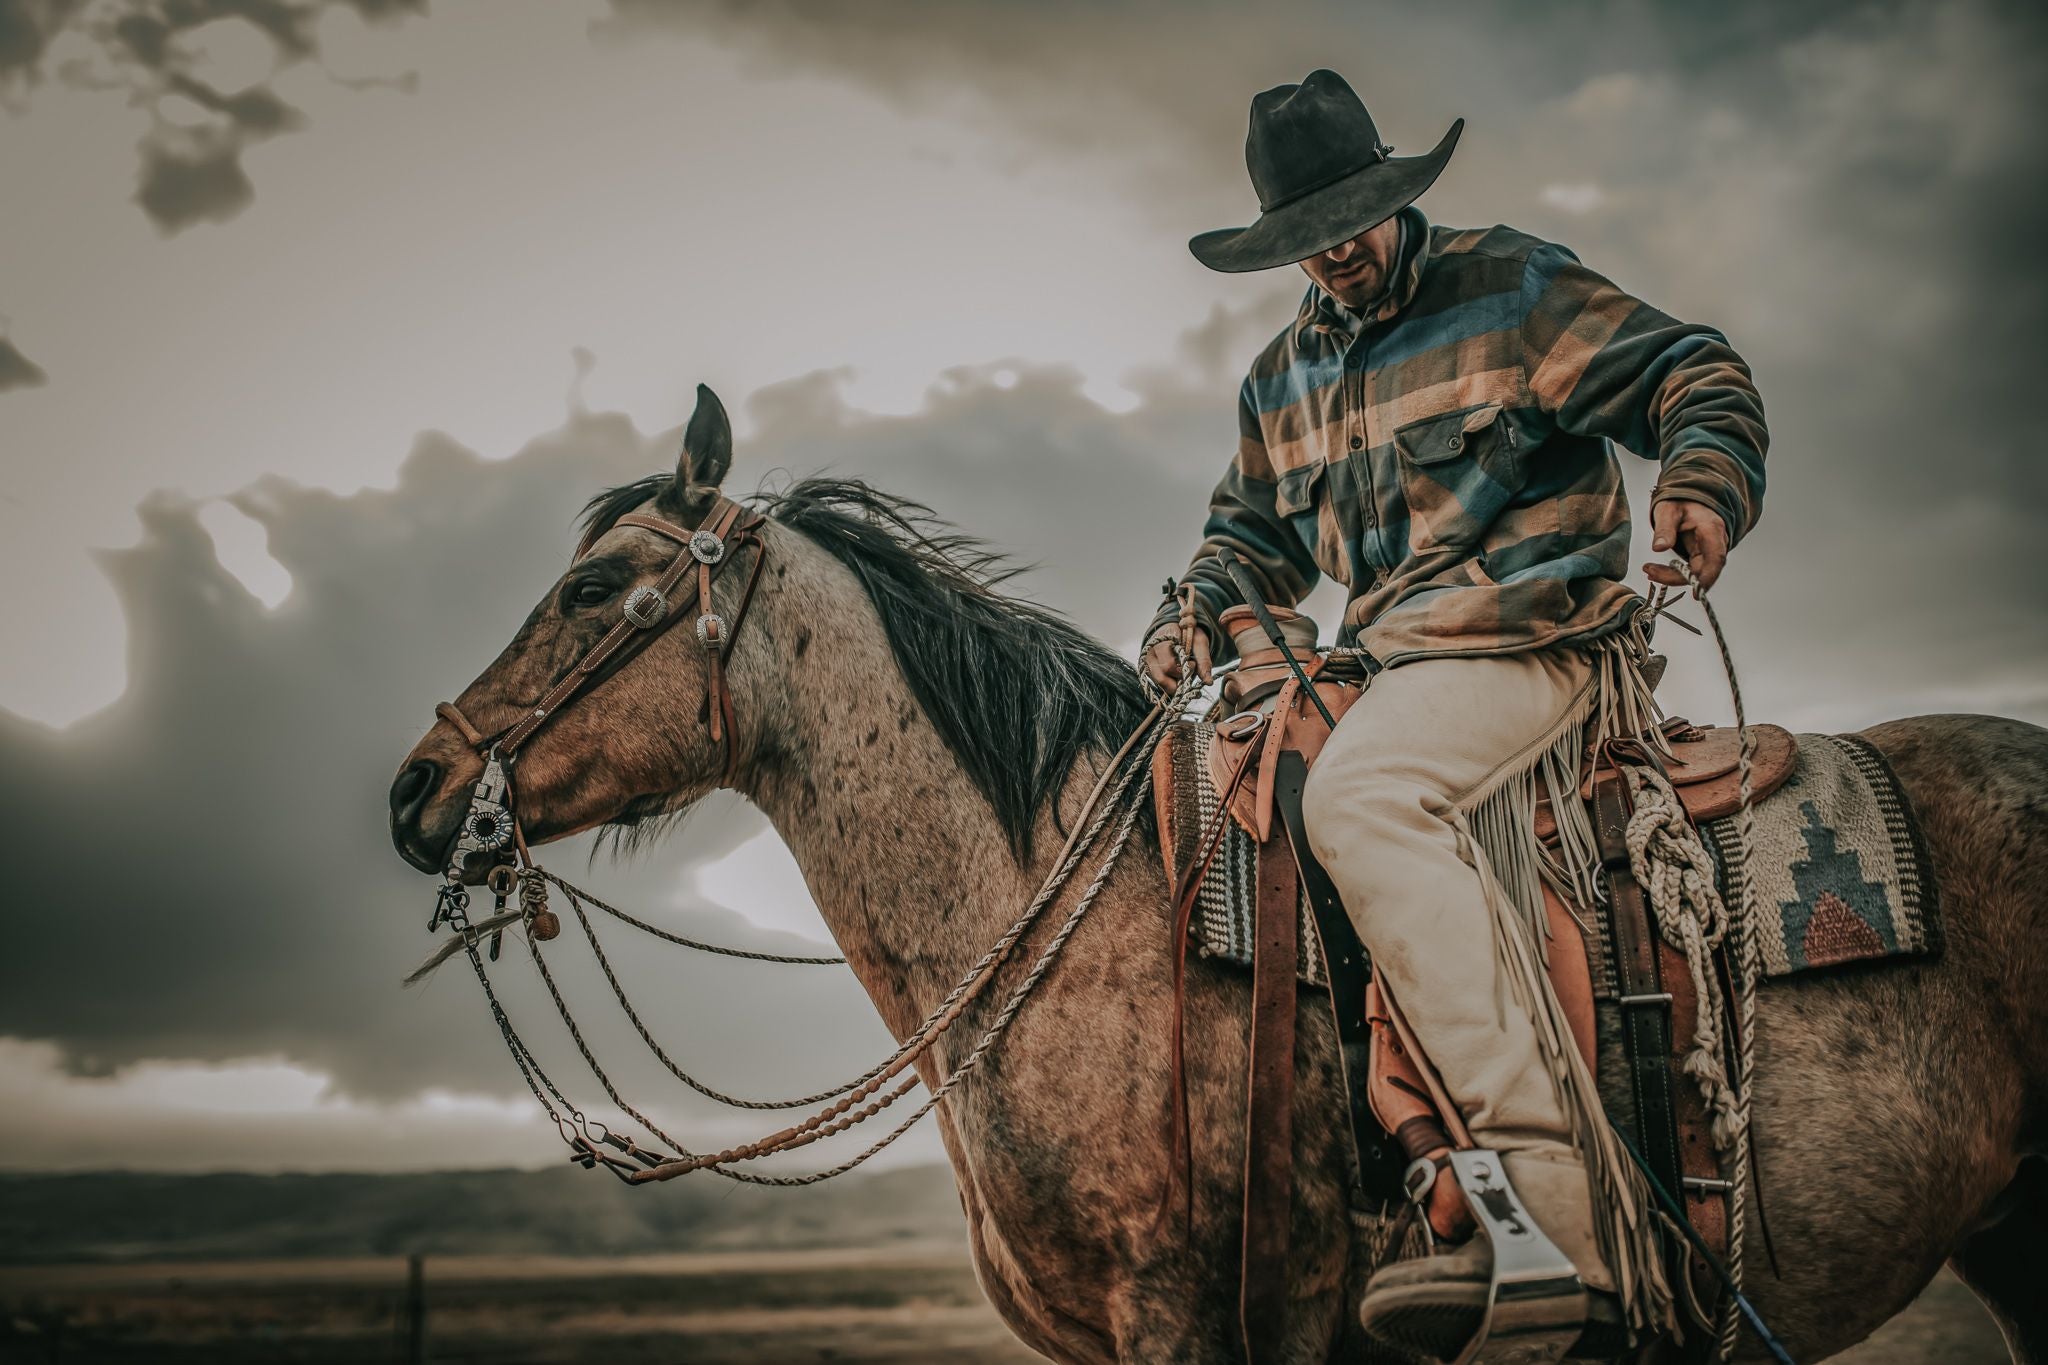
[1124,782]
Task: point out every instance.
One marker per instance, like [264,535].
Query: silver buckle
[711,630]
[645,606]
[1418,1180]
[706,547]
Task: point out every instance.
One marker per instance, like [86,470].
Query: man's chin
[1358,294]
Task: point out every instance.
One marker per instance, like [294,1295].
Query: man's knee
[1344,804]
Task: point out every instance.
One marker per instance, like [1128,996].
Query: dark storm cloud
[204,865]
[202,868]
[187,175]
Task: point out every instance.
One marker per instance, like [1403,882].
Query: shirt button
[1354,360]
[1455,442]
[1357,441]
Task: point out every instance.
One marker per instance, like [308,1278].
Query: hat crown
[1306,136]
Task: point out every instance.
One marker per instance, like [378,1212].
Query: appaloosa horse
[922,743]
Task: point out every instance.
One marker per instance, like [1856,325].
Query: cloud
[205,861]
[217,57]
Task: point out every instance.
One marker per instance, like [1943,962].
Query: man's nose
[1341,252]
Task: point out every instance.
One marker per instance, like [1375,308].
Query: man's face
[1355,272]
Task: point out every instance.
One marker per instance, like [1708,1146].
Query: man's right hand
[1162,663]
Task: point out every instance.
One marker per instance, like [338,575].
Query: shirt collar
[1322,313]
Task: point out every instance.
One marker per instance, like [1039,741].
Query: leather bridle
[491,826]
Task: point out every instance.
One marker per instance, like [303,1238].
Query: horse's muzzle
[413,788]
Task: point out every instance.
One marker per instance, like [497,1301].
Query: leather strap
[1347,965]
[720,521]
[1705,1205]
[1645,1008]
[1180,1140]
[1269,1119]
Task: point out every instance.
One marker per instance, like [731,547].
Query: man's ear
[707,446]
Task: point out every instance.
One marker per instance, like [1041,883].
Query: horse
[923,742]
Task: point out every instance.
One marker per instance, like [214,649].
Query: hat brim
[1335,213]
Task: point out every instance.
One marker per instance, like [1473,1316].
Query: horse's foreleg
[2002,1263]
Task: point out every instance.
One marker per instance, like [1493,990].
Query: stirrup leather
[1536,1305]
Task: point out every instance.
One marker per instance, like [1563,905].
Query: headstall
[490,827]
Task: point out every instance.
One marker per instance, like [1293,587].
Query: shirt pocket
[1458,473]
[1297,490]
[1298,498]
[1468,434]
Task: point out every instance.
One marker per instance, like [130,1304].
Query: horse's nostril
[412,788]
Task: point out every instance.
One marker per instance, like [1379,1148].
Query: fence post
[415,1309]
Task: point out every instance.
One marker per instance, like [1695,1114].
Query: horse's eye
[592,593]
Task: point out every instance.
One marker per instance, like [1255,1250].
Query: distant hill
[114,1216]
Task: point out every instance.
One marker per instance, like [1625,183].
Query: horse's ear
[707,444]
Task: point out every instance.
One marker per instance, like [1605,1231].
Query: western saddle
[1258,761]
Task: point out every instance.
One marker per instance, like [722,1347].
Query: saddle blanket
[1839,871]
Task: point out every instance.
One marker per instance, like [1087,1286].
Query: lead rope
[1691,913]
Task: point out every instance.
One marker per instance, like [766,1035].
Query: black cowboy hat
[1322,174]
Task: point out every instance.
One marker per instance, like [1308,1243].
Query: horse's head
[636,737]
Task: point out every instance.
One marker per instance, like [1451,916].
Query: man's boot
[1435,1305]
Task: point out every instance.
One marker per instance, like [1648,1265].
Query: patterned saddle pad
[1840,872]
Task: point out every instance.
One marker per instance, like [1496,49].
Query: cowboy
[1433,430]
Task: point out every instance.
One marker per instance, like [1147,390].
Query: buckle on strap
[711,631]
[645,606]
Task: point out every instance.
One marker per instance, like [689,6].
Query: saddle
[1635,986]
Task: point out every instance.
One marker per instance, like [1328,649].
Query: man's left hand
[1699,535]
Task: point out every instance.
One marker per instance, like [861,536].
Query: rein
[490,828]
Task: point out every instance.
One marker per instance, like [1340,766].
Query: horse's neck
[903,855]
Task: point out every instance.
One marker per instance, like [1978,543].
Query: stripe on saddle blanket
[1840,869]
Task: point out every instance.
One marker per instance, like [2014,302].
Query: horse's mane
[1015,692]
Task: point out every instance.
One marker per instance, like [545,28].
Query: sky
[316,328]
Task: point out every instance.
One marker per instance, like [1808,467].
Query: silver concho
[706,547]
[488,828]
[645,606]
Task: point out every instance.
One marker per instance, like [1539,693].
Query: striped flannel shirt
[1446,455]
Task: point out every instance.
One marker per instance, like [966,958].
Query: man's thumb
[1663,523]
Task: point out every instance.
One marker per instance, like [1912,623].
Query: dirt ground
[912,1305]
